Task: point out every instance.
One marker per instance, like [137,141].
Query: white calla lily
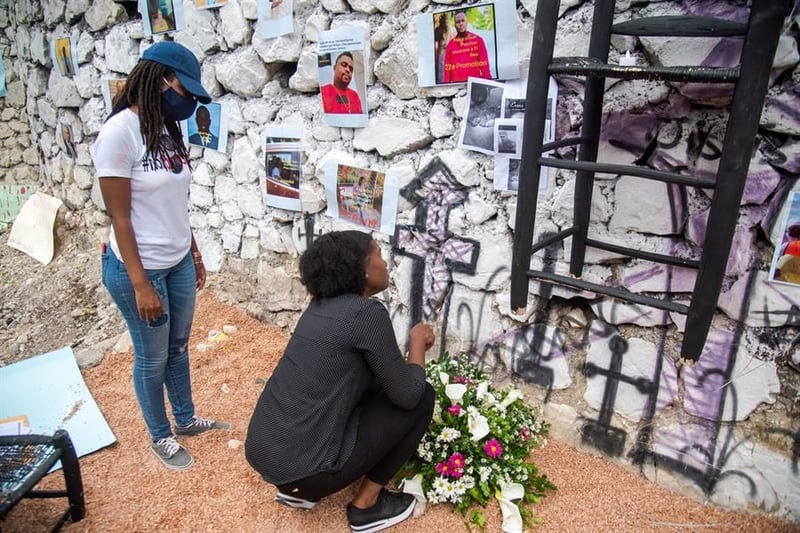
[478,426]
[413,486]
[512,519]
[513,396]
[444,377]
[483,389]
[455,391]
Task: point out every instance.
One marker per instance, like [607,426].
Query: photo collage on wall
[283,164]
[474,45]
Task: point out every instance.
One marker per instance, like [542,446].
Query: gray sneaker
[200,425]
[172,454]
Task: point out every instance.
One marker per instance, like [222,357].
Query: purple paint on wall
[687,443]
[706,382]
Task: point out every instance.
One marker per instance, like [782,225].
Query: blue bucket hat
[183,62]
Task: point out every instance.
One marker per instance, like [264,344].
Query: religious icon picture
[63,57]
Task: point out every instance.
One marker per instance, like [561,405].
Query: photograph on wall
[207,127]
[786,260]
[478,41]
[341,58]
[62,52]
[508,137]
[162,16]
[111,87]
[208,4]
[506,174]
[484,99]
[275,18]
[283,163]
[3,89]
[68,141]
[365,197]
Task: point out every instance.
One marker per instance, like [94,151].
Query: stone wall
[607,373]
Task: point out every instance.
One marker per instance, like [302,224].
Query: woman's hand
[199,274]
[420,339]
[149,303]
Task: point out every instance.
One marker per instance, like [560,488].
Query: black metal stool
[26,459]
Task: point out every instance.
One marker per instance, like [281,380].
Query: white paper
[32,231]
[207,4]
[274,18]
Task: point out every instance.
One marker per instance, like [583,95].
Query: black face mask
[176,107]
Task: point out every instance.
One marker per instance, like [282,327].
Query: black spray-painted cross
[436,253]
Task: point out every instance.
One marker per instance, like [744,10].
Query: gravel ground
[127,489]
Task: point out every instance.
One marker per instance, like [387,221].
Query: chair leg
[72,475]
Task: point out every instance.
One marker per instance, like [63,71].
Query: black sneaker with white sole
[390,509]
[294,501]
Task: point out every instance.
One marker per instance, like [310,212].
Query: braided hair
[143,88]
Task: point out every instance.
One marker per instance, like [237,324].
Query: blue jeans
[160,347]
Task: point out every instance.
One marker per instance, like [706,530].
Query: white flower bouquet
[478,446]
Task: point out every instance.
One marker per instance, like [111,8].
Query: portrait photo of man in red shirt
[465,54]
[338,97]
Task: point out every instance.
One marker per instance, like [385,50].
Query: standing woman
[152,266]
[343,403]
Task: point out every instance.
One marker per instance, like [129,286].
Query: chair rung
[591,67]
[629,170]
[615,292]
[647,256]
[680,26]
[561,235]
[566,141]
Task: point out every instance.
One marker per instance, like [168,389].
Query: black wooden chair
[26,459]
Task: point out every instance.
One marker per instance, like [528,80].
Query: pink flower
[524,433]
[493,448]
[454,409]
[460,379]
[456,461]
[443,468]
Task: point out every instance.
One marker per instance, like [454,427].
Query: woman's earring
[366,276]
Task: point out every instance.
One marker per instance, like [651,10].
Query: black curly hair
[334,264]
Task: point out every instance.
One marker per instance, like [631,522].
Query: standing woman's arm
[199,267]
[117,197]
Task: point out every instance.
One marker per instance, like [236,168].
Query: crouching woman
[343,403]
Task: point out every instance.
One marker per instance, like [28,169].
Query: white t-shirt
[159,197]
